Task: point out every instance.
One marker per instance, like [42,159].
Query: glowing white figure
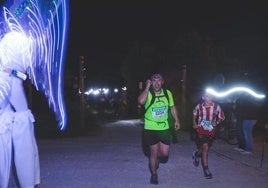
[32,42]
[234,90]
[45,24]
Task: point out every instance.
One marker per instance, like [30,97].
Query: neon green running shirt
[156,116]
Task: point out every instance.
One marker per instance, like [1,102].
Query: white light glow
[96,92]
[102,91]
[37,32]
[234,90]
[105,90]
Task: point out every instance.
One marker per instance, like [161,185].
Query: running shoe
[239,149]
[207,173]
[246,152]
[154,179]
[195,159]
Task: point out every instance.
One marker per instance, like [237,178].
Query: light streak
[45,25]
[235,90]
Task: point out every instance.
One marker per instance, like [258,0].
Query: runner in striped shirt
[206,116]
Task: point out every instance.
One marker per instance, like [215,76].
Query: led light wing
[45,22]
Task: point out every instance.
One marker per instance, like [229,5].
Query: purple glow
[44,26]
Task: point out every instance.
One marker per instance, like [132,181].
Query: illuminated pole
[82,91]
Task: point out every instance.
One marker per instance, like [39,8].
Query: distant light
[101,91]
[105,90]
[89,92]
[96,92]
[233,90]
[124,88]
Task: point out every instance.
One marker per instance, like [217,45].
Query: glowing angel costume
[32,42]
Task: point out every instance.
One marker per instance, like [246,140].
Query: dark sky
[101,31]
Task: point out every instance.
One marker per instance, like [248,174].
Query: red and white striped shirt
[206,115]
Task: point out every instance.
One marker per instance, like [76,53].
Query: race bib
[159,112]
[206,124]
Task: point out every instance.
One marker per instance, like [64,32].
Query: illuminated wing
[46,22]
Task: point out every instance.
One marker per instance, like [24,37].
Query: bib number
[207,125]
[159,112]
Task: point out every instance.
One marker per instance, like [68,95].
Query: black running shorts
[151,137]
[202,139]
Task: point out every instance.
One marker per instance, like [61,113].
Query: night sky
[101,32]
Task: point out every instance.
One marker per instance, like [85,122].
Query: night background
[126,41]
[123,43]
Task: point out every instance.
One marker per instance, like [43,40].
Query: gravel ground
[112,157]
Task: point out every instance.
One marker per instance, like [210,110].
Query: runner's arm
[175,116]
[144,94]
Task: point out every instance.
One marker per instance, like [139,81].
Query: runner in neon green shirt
[156,133]
[156,116]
